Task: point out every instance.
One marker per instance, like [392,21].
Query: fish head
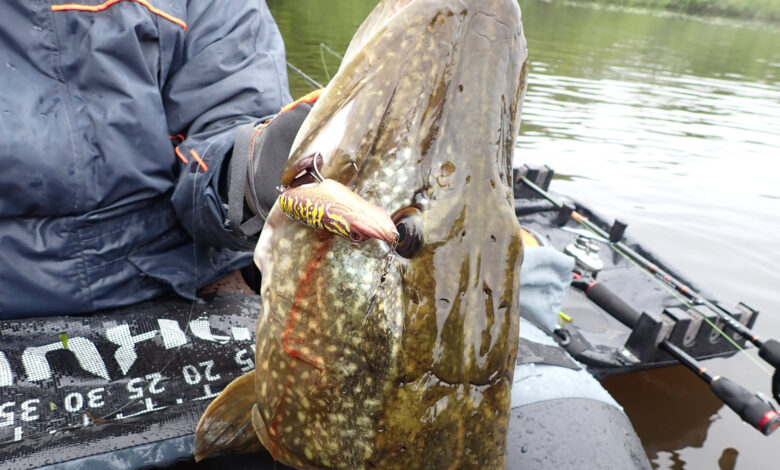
[420,121]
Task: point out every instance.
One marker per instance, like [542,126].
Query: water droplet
[10,65]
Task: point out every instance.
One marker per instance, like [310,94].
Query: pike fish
[397,352]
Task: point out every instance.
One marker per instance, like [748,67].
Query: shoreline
[767,11]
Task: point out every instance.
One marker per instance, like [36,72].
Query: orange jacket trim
[254,136]
[309,98]
[180,155]
[199,160]
[108,3]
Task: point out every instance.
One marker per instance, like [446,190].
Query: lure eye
[357,237]
[408,223]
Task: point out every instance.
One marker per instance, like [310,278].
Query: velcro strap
[242,152]
[529,352]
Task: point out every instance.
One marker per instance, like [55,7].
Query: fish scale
[340,396]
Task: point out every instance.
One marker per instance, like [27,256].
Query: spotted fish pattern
[365,364]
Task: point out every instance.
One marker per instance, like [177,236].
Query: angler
[414,271]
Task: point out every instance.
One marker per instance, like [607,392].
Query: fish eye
[357,237]
[408,223]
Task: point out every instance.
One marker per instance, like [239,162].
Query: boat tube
[596,328]
[125,388]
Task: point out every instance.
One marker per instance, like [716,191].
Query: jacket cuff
[196,198]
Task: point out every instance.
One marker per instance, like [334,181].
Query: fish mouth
[303,171]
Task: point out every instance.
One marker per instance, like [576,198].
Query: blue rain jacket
[116,119]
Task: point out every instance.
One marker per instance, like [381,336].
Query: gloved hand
[259,154]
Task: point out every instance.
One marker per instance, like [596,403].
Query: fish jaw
[382,14]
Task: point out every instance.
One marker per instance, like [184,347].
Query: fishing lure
[328,205]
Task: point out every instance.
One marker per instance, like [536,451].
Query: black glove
[255,167]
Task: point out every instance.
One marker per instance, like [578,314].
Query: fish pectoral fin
[261,430]
[279,453]
[227,423]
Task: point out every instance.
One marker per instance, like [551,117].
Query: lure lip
[380,230]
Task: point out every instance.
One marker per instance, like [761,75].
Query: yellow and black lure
[331,206]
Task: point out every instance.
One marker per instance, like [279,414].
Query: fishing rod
[769,350]
[754,409]
[303,75]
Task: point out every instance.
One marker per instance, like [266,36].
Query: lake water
[672,124]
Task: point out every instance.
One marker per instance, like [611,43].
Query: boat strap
[79,386]
[75,388]
[530,352]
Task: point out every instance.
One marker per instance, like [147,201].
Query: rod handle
[612,304]
[770,352]
[749,407]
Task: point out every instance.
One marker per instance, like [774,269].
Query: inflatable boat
[125,388]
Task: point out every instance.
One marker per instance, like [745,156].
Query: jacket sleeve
[231,70]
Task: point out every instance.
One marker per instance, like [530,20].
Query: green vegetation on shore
[752,9]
